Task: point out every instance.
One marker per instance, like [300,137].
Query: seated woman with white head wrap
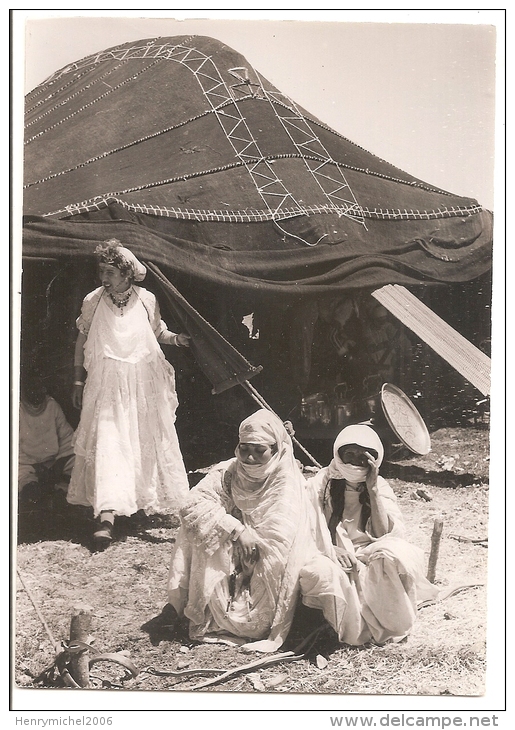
[247,529]
[372,590]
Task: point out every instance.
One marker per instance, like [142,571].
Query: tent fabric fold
[283,272]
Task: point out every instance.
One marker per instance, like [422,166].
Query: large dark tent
[247,203]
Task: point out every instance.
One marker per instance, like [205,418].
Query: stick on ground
[435,547]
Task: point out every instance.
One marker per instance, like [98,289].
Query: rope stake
[74,654]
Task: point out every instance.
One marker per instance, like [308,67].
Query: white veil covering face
[277,512]
[378,600]
[262,428]
[361,435]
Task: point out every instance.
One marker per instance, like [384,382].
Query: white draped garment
[278,514]
[127,455]
[377,600]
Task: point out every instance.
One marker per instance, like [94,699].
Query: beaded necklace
[122,302]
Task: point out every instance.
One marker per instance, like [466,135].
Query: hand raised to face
[373,471]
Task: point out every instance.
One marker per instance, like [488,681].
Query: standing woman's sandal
[104,535]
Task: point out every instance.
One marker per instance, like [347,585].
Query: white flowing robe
[281,518]
[379,600]
[126,446]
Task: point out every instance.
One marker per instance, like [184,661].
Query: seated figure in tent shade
[127,455]
[45,457]
[371,591]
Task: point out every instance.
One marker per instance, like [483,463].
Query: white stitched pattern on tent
[84,63]
[327,172]
[108,153]
[91,103]
[366,171]
[455,349]
[230,216]
[269,186]
[354,168]
[60,90]
[453,212]
[296,126]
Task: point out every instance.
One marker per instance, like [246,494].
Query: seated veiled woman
[371,591]
[246,530]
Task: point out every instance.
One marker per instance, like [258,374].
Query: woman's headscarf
[262,427]
[363,436]
[140,271]
[127,257]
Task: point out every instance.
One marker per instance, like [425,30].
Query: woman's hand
[183,340]
[346,558]
[77,392]
[247,547]
[378,515]
[373,471]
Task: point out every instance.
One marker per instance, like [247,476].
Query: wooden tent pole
[262,402]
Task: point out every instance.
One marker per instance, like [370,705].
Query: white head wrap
[363,436]
[262,427]
[140,271]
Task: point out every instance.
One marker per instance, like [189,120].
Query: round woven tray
[404,420]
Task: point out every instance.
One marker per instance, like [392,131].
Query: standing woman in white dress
[127,454]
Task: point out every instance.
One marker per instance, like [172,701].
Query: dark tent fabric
[183,151]
[220,362]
